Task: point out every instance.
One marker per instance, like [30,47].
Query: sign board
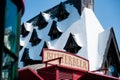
[68,59]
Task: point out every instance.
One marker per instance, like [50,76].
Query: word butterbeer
[67,59]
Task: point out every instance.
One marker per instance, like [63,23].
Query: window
[34,38]
[54,32]
[62,13]
[41,22]
[71,45]
[7,66]
[24,32]
[111,61]
[25,56]
[11,41]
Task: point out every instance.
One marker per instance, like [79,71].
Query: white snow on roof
[73,16]
[87,30]
[65,24]
[28,26]
[43,33]
[77,39]
[103,39]
[93,29]
[24,40]
[75,28]
[46,16]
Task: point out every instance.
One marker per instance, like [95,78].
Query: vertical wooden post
[57,73]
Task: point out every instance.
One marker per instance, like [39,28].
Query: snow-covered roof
[102,44]
[88,34]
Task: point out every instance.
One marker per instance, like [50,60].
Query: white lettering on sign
[67,59]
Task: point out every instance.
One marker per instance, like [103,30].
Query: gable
[24,32]
[54,32]
[41,22]
[71,45]
[61,13]
[34,38]
[111,59]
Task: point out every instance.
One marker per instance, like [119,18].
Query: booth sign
[67,59]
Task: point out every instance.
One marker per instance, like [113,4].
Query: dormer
[61,12]
[71,44]
[27,60]
[111,61]
[20,47]
[41,22]
[24,32]
[25,56]
[54,32]
[34,38]
[45,45]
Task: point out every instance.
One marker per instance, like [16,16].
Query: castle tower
[87,3]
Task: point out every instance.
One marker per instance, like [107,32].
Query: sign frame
[68,59]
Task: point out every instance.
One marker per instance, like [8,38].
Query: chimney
[81,4]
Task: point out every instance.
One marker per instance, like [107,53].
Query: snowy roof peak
[46,16]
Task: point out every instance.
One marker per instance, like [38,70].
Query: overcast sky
[107,12]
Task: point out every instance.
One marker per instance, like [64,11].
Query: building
[73,27]
[10,18]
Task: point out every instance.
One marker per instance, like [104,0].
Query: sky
[107,12]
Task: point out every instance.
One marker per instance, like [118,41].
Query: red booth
[58,66]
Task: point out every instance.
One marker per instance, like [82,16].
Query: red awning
[28,74]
